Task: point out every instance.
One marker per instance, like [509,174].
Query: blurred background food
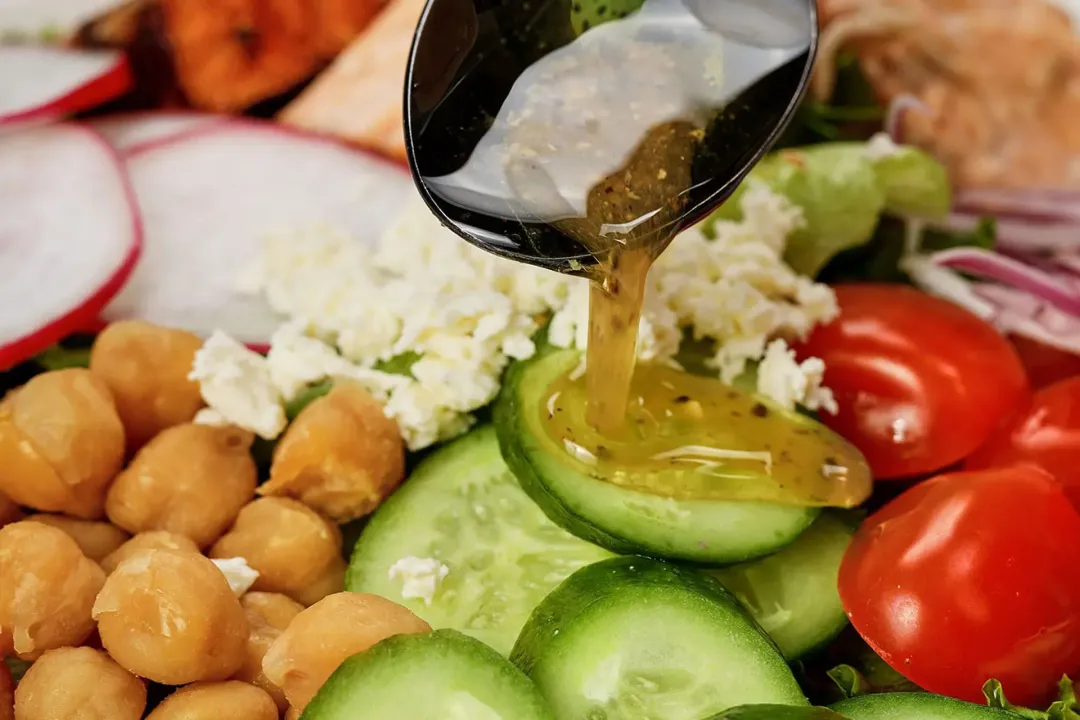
[944,73]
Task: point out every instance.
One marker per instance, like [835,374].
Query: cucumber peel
[777,712]
[443,674]
[916,706]
[620,519]
[463,507]
[630,638]
[793,593]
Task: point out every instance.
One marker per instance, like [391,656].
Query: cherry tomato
[1045,365]
[970,576]
[1047,435]
[919,381]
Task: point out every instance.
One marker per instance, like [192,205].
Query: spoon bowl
[540,130]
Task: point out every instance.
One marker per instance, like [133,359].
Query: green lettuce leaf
[843,192]
[59,357]
[305,397]
[839,193]
[852,113]
[915,184]
[1066,707]
[879,259]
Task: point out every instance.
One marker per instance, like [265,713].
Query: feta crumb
[236,383]
[882,146]
[210,416]
[420,577]
[240,575]
[789,383]
[464,314]
[734,289]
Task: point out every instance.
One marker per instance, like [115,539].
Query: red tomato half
[1045,365]
[1047,435]
[919,381]
[971,576]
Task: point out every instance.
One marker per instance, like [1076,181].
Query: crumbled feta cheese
[210,416]
[420,577]
[882,146]
[463,314]
[734,289]
[789,383]
[236,383]
[240,575]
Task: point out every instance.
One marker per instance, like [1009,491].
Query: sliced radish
[44,20]
[39,83]
[69,234]
[207,200]
[130,133]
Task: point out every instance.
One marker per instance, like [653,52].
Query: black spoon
[540,129]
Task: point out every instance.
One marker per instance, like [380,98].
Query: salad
[275,444]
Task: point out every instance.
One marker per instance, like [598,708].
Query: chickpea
[79,682]
[273,609]
[288,543]
[96,539]
[171,617]
[146,367]
[268,615]
[7,693]
[216,701]
[61,443]
[331,581]
[190,479]
[150,540]
[47,589]
[341,456]
[328,633]
[292,714]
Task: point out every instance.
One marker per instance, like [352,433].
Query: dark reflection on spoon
[548,130]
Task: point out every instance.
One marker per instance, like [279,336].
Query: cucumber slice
[793,594]
[777,712]
[916,706]
[443,675]
[463,508]
[622,520]
[633,638]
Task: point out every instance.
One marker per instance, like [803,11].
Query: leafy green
[879,260]
[1066,707]
[984,235]
[852,113]
[838,191]
[72,352]
[399,364]
[59,357]
[305,397]
[843,191]
[915,184]
[875,676]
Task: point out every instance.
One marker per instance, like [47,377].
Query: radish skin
[39,83]
[208,198]
[131,133]
[69,234]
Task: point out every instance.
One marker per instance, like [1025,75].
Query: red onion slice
[894,116]
[1018,236]
[988,264]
